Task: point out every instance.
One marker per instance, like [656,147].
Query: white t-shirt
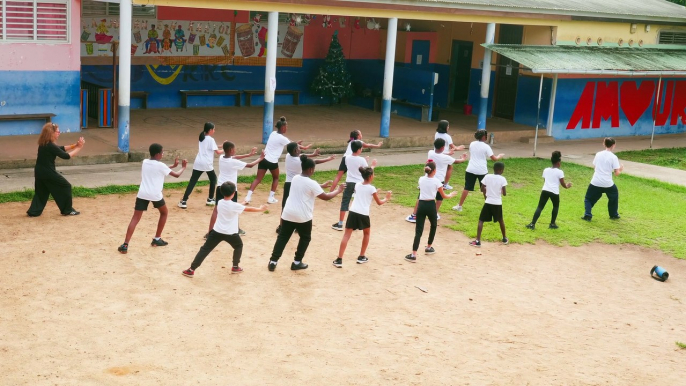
[300,204]
[446,137]
[479,153]
[227,217]
[354,163]
[552,180]
[274,147]
[364,194]
[293,167]
[228,170]
[428,187]
[152,180]
[442,162]
[605,162]
[494,188]
[204,161]
[349,150]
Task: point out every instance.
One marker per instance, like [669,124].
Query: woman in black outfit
[48,181]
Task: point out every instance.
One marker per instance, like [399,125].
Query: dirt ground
[76,312]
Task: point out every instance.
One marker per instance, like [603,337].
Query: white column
[538,114]
[270,75]
[486,77]
[124,75]
[656,109]
[392,35]
[551,108]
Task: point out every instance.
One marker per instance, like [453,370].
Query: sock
[157,238]
[249,195]
[272,262]
[340,223]
[271,194]
[296,262]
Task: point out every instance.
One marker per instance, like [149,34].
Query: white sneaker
[210,202]
[457,208]
[411,218]
[438,217]
[447,187]
[272,200]
[182,204]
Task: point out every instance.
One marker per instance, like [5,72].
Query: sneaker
[362,259]
[411,218]
[553,226]
[241,232]
[278,229]
[617,217]
[457,208]
[411,258]
[297,267]
[586,218]
[271,265]
[182,204]
[447,187]
[438,217]
[210,202]
[188,273]
[236,269]
[123,249]
[337,226]
[475,243]
[338,263]
[272,200]
[429,250]
[532,226]
[505,241]
[76,213]
[159,243]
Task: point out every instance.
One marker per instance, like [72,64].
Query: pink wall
[356,43]
[46,57]
[184,13]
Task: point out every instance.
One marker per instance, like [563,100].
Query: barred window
[34,21]
[99,8]
[672,37]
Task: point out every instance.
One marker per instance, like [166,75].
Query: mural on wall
[152,37]
[251,38]
[603,101]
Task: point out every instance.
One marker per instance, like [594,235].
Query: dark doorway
[507,73]
[460,71]
[420,53]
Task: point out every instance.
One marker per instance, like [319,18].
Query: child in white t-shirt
[606,165]
[152,182]
[554,178]
[493,188]
[204,163]
[229,165]
[355,135]
[442,133]
[353,163]
[225,229]
[358,218]
[479,154]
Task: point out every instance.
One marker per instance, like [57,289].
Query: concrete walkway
[581,152]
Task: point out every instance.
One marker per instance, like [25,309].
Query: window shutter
[93,8]
[18,20]
[51,21]
[672,37]
[97,8]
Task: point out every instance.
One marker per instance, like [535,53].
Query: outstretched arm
[255,162]
[369,145]
[330,195]
[303,147]
[565,185]
[183,167]
[380,201]
[321,161]
[315,153]
[497,157]
[462,158]
[262,208]
[253,151]
[445,196]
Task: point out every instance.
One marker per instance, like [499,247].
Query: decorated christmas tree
[333,80]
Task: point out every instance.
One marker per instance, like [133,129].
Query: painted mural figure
[101,33]
[152,43]
[262,38]
[212,40]
[179,39]
[166,39]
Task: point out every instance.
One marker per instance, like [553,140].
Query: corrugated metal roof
[595,60]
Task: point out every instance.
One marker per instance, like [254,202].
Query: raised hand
[326,184]
[176,162]
[373,162]
[380,143]
[464,156]
[253,150]
[316,152]
[340,188]
[389,194]
[184,163]
[501,155]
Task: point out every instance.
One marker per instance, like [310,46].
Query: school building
[579,68]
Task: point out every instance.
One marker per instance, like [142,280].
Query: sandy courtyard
[76,312]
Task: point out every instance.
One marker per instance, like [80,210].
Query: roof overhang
[595,60]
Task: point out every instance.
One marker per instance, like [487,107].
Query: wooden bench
[424,108]
[250,93]
[144,98]
[186,93]
[27,117]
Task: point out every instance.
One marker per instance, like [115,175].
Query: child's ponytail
[208,126]
[429,167]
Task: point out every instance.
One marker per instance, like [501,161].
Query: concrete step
[541,139]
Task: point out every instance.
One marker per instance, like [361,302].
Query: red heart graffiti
[636,100]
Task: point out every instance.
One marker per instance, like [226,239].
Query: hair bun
[303,157]
[282,119]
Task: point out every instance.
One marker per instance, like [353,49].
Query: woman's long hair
[46,134]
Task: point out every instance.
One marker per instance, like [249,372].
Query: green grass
[651,210]
[672,158]
[681,345]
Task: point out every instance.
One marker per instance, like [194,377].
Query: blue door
[420,53]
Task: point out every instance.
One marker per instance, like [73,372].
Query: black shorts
[470,180]
[142,204]
[357,221]
[264,164]
[343,167]
[219,196]
[347,195]
[491,212]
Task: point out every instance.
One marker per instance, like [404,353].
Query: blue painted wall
[475,92]
[34,92]
[570,91]
[526,105]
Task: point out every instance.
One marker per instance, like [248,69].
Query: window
[672,37]
[98,8]
[34,21]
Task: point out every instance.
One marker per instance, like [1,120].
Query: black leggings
[287,228]
[545,196]
[425,209]
[194,180]
[213,239]
[47,184]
